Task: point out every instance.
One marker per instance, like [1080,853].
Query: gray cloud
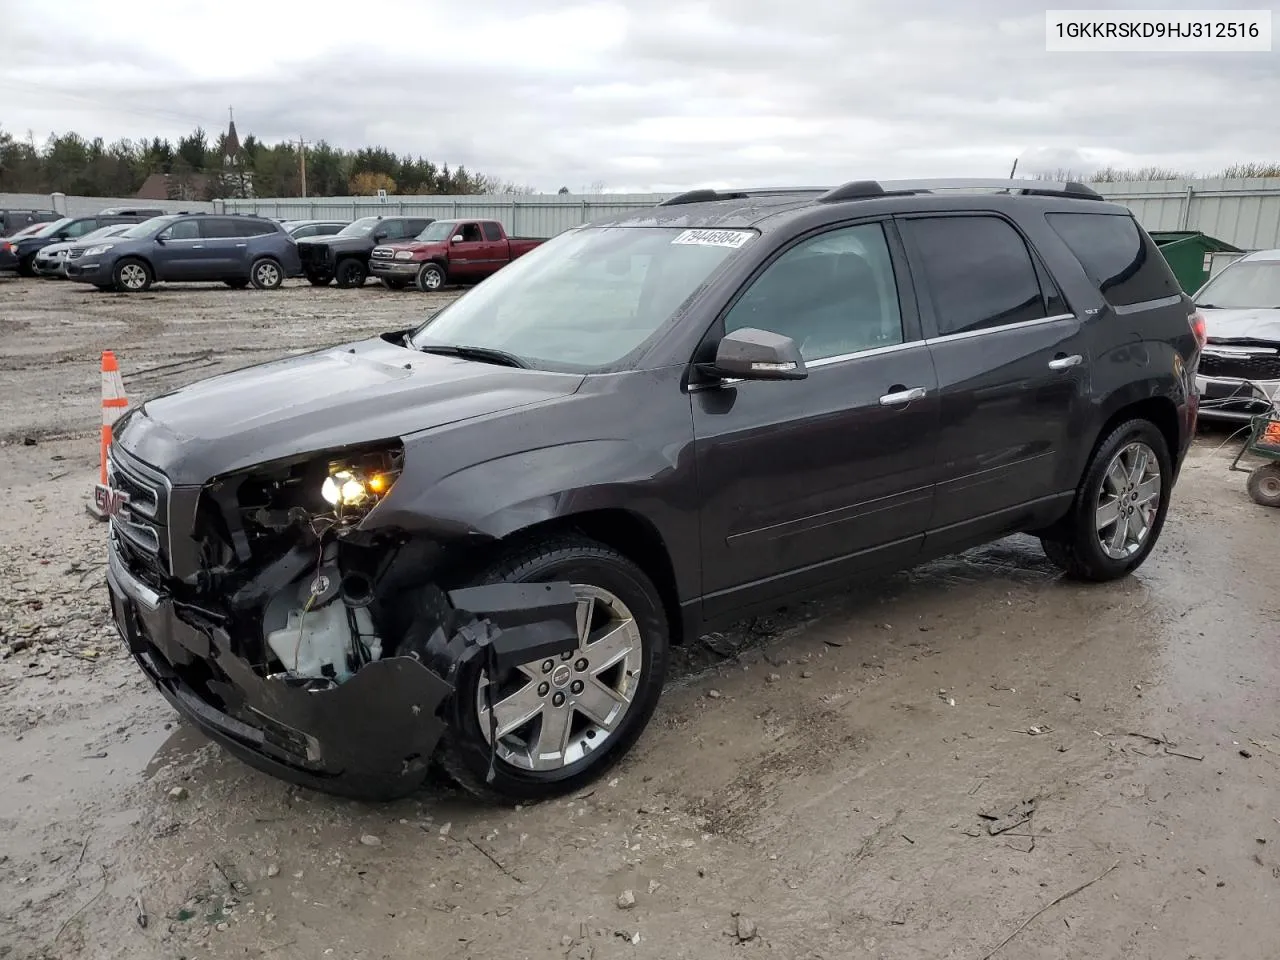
[653,95]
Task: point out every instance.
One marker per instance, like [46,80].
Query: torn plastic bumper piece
[371,737]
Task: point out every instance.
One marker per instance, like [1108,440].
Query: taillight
[1196,319]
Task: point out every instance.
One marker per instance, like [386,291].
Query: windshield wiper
[1207,306]
[481,354]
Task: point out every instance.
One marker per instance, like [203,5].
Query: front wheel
[563,722]
[351,273]
[430,278]
[27,266]
[1264,485]
[265,274]
[132,276]
[1119,508]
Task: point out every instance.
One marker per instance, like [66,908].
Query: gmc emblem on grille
[109,502]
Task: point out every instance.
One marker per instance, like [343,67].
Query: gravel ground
[919,767]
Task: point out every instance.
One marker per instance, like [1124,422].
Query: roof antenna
[1014,168]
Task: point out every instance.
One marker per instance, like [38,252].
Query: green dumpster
[1187,252]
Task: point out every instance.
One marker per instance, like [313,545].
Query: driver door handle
[902,396]
[1063,363]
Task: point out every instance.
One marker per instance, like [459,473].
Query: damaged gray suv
[474,543]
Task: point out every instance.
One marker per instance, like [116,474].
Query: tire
[1076,545]
[1264,485]
[599,570]
[430,278]
[351,273]
[132,276]
[392,283]
[266,274]
[236,284]
[27,266]
[318,280]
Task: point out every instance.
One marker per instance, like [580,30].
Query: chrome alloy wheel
[552,713]
[268,274]
[133,276]
[1128,501]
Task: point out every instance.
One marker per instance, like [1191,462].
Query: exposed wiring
[315,586]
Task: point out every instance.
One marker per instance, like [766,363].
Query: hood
[362,392]
[1254,323]
[59,246]
[330,239]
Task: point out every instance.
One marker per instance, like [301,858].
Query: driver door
[804,482]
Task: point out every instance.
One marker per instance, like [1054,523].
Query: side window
[219,228]
[301,232]
[256,228]
[492,231]
[978,270]
[470,233]
[81,227]
[394,229]
[185,230]
[832,294]
[1124,263]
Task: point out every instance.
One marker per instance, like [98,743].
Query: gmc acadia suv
[474,542]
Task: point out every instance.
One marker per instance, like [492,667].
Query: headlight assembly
[354,486]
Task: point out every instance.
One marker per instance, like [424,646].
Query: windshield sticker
[715,238]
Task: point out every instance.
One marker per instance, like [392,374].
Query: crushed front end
[311,648]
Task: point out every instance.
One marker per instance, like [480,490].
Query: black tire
[319,279]
[126,270]
[27,266]
[465,753]
[430,278]
[236,284]
[266,273]
[1074,544]
[1264,485]
[394,283]
[351,273]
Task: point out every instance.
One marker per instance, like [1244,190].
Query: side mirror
[162,237]
[457,238]
[751,354]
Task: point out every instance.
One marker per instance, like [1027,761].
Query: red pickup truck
[448,251]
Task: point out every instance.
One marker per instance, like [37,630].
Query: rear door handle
[197,246]
[241,244]
[902,396]
[1062,363]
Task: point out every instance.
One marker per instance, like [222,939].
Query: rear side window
[80,227]
[255,228]
[491,231]
[1119,258]
[219,228]
[978,270]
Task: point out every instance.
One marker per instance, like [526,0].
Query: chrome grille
[383,253]
[141,527]
[1240,363]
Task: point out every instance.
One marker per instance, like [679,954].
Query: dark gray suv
[475,542]
[235,250]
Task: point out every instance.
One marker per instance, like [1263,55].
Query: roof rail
[862,189]
[707,195]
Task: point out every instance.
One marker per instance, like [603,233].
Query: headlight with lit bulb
[356,488]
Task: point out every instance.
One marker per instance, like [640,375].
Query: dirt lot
[813,785]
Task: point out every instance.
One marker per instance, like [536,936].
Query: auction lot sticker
[715,238]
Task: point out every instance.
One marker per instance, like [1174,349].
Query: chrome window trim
[969,334]
[820,362]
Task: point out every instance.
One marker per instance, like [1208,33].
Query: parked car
[299,229]
[50,261]
[232,249]
[476,541]
[8,256]
[344,256]
[1240,365]
[143,212]
[448,251]
[28,230]
[11,221]
[68,228]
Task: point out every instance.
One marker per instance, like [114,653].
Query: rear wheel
[563,722]
[430,277]
[1119,508]
[351,273]
[319,279]
[266,274]
[1264,485]
[132,276]
[27,266]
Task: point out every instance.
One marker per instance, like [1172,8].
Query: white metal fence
[1245,213]
[88,206]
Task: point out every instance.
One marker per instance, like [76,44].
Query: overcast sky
[640,94]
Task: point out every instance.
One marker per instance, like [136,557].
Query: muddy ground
[813,785]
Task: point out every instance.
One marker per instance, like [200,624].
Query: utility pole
[302,163]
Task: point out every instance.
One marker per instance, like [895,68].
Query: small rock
[626,899]
[273,871]
[746,929]
[19,644]
[773,677]
[369,840]
[224,926]
[702,871]
[269,918]
[714,694]
[444,831]
[654,885]
[807,674]
[178,793]
[1246,754]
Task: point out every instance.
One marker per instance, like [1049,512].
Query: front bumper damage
[371,737]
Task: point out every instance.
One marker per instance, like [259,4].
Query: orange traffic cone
[114,403]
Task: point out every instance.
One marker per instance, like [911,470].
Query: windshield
[48,230]
[435,232]
[359,228]
[147,228]
[585,299]
[101,232]
[29,230]
[1244,285]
